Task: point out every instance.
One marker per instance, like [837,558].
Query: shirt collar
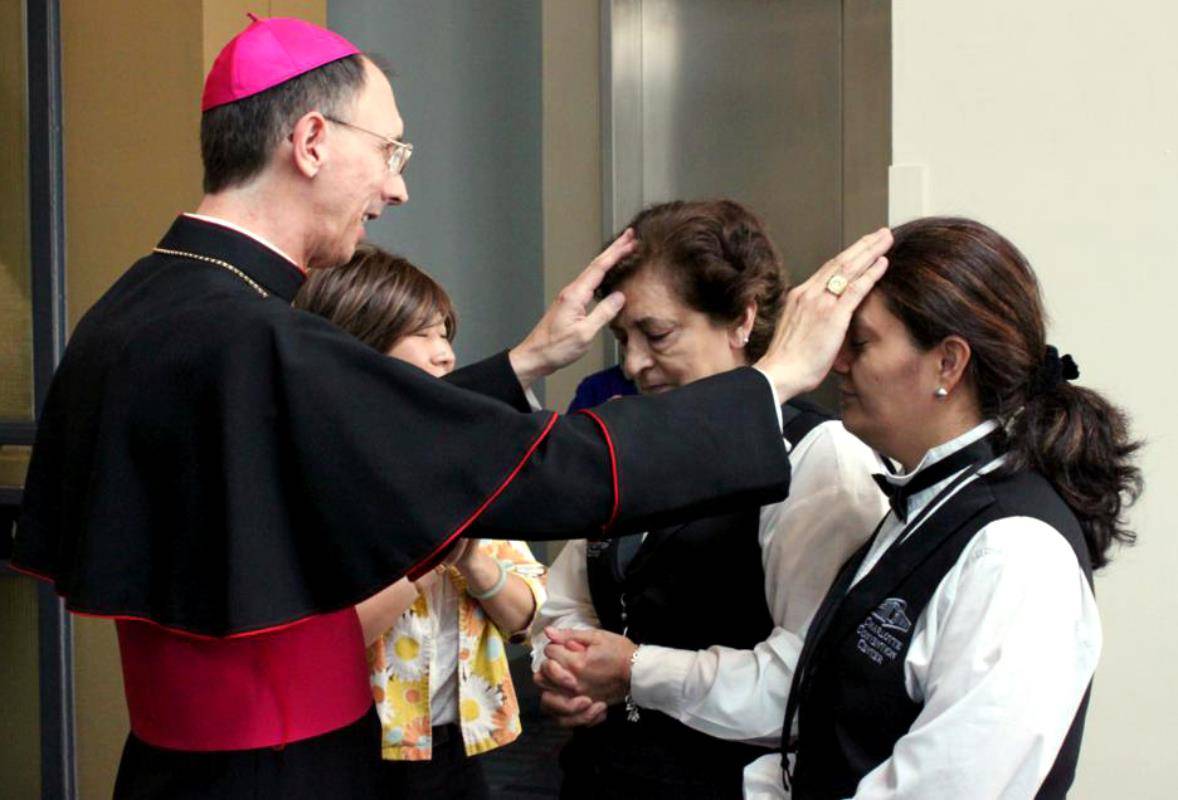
[941,451]
[196,236]
[257,237]
[919,499]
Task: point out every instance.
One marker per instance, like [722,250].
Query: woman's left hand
[461,554]
[598,660]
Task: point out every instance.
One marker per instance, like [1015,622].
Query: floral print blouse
[399,664]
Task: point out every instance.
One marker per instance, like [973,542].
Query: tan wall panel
[131,75]
[101,711]
[20,718]
[16,340]
[311,10]
[224,19]
[571,161]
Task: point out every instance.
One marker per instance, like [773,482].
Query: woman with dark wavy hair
[952,656]
[691,630]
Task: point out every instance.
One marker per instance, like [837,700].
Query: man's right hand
[569,326]
[815,320]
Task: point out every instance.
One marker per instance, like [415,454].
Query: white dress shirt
[833,506]
[1000,659]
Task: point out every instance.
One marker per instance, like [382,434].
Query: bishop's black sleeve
[433,461]
[492,377]
[699,450]
[230,465]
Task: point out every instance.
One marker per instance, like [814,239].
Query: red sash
[261,690]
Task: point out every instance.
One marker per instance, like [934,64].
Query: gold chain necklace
[210,260]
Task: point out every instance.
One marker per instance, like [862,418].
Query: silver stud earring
[941,392]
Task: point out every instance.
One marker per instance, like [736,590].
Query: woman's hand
[461,555]
[596,663]
[815,320]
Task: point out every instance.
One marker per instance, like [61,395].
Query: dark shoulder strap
[799,417]
[605,580]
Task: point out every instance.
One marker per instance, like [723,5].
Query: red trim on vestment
[613,467]
[31,573]
[241,694]
[428,563]
[169,628]
[415,572]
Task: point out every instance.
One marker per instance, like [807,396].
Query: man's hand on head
[569,325]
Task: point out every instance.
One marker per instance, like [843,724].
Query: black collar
[273,271]
[899,495]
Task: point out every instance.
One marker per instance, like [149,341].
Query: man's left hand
[598,662]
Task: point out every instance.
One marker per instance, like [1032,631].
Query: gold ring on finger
[837,285]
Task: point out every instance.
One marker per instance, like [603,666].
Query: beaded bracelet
[500,582]
[632,714]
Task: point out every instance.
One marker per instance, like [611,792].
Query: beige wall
[16,327]
[1056,122]
[571,161]
[20,717]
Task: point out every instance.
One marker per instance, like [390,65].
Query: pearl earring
[941,392]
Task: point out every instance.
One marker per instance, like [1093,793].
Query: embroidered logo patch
[891,614]
[876,638]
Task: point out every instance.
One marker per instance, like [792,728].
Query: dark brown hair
[237,139]
[377,297]
[951,276]
[717,256]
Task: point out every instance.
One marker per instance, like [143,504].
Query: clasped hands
[586,671]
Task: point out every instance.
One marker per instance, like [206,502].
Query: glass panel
[16,321]
[20,724]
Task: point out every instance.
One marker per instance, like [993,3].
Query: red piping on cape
[414,572]
[427,563]
[613,467]
[170,628]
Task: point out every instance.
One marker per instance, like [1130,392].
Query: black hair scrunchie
[1053,370]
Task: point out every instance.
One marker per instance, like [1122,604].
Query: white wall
[1056,122]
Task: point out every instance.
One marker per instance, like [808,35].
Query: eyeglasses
[397,152]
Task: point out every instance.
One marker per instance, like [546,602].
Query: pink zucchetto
[267,53]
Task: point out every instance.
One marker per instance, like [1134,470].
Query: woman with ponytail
[953,654]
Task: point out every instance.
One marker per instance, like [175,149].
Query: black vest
[690,587]
[849,690]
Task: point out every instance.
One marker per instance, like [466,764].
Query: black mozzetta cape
[220,463]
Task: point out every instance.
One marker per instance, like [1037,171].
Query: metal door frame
[866,114]
[47,265]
